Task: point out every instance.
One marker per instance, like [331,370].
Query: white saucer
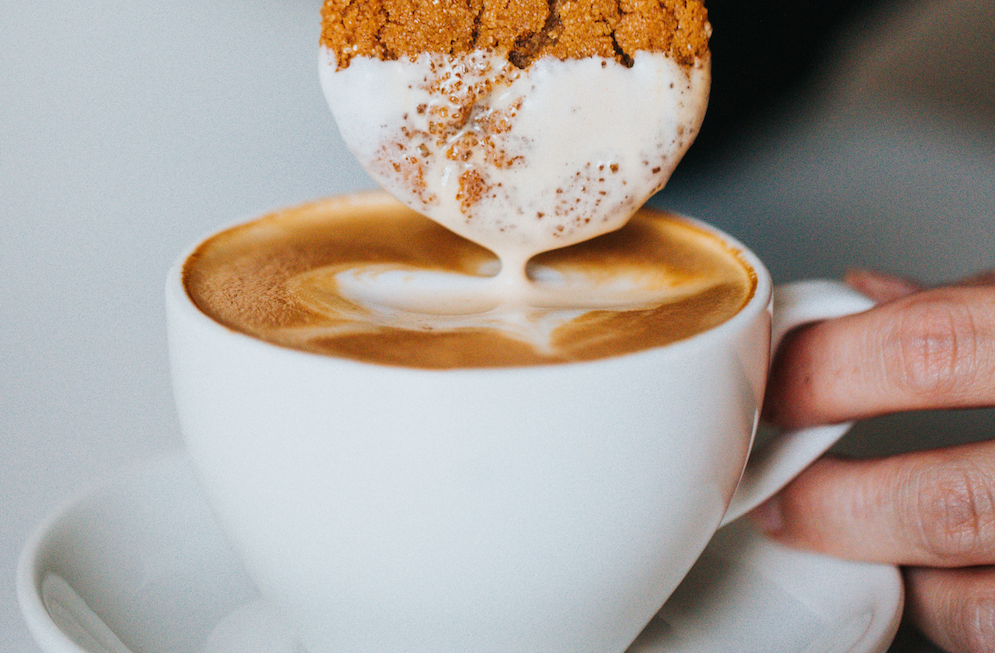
[139,565]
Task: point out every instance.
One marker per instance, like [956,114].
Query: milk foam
[413,298]
[519,161]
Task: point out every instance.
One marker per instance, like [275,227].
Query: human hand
[931,511]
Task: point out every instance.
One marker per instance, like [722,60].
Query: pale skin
[933,512]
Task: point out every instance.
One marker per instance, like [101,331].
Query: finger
[932,349]
[954,607]
[933,508]
[879,286]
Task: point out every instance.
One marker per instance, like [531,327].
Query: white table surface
[130,129]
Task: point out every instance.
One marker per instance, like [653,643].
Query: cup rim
[178,300]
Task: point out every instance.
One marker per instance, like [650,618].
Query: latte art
[366,278]
[423,300]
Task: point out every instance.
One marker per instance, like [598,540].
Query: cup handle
[773,465]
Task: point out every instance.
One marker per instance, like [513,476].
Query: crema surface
[365,278]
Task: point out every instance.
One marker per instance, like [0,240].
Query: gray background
[130,129]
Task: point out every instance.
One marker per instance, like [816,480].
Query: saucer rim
[33,558]
[30,570]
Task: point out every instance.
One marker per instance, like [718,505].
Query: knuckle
[954,513]
[933,347]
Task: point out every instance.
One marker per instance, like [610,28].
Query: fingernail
[880,286]
[767,516]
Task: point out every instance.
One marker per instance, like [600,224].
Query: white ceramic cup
[547,509]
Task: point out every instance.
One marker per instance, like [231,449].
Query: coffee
[364,278]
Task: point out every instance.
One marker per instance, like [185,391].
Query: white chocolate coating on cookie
[519,161]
